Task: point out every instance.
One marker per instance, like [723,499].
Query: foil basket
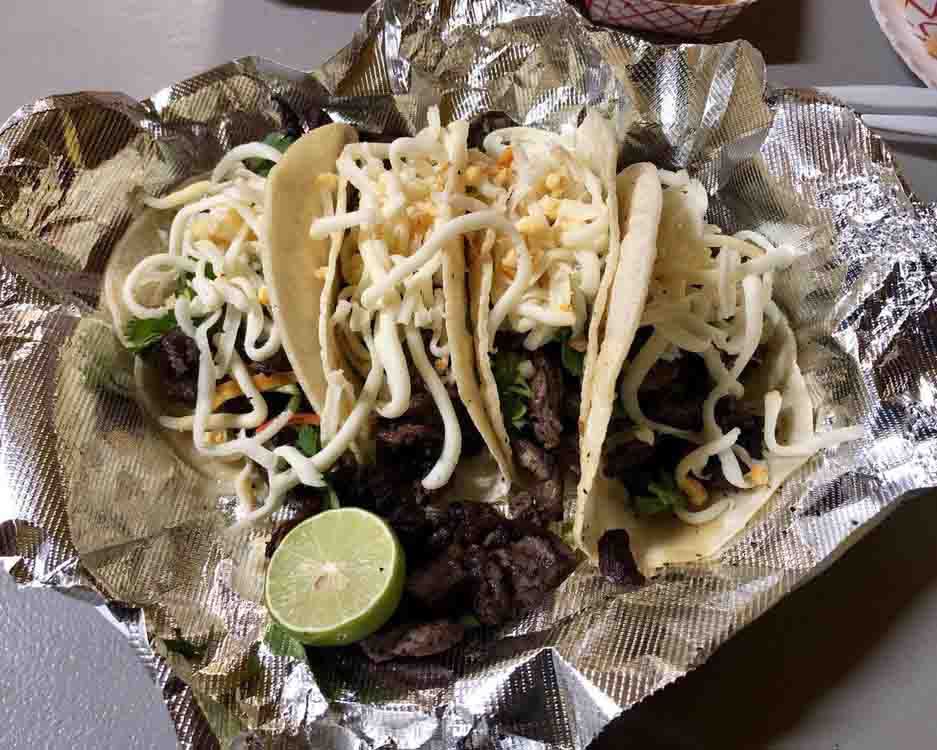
[95,505]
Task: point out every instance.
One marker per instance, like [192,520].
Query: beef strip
[473,521]
[635,464]
[732,413]
[616,562]
[542,504]
[534,458]
[279,362]
[413,640]
[673,392]
[492,603]
[435,585]
[546,400]
[537,564]
[176,358]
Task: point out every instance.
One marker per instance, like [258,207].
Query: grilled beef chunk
[628,456]
[279,362]
[534,458]
[616,562]
[732,413]
[492,603]
[503,567]
[397,434]
[537,564]
[413,640]
[636,464]
[473,521]
[542,504]
[176,359]
[673,392]
[435,585]
[546,400]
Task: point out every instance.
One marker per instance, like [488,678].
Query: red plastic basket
[676,19]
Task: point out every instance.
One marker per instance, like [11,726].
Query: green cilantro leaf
[181,646]
[513,390]
[309,442]
[664,496]
[572,359]
[281,643]
[262,167]
[469,622]
[142,333]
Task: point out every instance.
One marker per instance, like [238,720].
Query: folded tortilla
[289,258]
[595,143]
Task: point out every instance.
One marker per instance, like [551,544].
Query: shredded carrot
[230,389]
[303,418]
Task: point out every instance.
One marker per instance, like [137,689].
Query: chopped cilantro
[664,496]
[281,643]
[309,442]
[142,333]
[469,622]
[183,647]
[513,390]
[572,359]
[262,167]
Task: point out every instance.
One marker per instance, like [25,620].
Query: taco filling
[712,412]
[537,286]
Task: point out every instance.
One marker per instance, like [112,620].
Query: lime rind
[346,561]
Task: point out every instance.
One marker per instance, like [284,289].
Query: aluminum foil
[93,503]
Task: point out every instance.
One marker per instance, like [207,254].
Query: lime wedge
[336,578]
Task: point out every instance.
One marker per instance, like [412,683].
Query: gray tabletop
[846,663]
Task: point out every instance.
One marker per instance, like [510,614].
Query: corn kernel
[555,181]
[550,206]
[530,225]
[263,296]
[441,365]
[226,227]
[566,307]
[473,176]
[218,437]
[758,475]
[502,178]
[506,157]
[327,180]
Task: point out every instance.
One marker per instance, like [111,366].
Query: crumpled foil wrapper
[94,504]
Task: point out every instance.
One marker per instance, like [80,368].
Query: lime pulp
[336,578]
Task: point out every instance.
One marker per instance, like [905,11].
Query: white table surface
[848,663]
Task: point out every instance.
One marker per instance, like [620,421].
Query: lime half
[336,578]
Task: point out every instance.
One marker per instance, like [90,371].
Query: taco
[699,409]
[218,324]
[539,287]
